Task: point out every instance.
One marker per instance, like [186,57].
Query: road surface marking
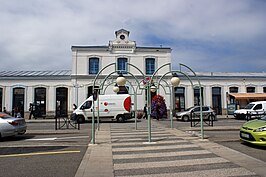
[55,138]
[38,153]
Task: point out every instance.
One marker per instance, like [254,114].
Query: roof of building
[35,73]
[68,73]
[107,47]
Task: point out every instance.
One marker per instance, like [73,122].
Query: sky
[206,35]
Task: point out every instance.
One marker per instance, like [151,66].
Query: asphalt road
[224,132]
[42,151]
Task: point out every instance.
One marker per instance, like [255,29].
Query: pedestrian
[15,111]
[145,112]
[31,110]
[5,111]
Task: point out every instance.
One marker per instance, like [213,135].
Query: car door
[258,109]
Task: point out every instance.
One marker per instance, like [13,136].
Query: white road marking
[55,138]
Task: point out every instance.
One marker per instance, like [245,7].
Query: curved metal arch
[159,84]
[180,72]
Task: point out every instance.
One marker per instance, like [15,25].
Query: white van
[253,108]
[110,106]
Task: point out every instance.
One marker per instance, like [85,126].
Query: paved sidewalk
[120,150]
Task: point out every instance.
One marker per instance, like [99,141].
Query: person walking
[31,111]
[145,112]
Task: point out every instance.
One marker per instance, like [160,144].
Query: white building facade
[53,91]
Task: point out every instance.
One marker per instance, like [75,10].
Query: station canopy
[246,96]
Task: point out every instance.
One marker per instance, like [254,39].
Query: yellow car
[254,132]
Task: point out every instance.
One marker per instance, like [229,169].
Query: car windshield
[4,116]
[189,108]
[249,106]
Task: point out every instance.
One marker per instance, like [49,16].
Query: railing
[66,122]
[207,118]
[255,115]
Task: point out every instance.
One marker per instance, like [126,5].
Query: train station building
[52,91]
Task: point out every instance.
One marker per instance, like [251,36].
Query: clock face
[122,37]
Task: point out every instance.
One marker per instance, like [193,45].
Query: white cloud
[207,31]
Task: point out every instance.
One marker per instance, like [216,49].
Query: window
[1,97]
[86,105]
[250,89]
[197,96]
[258,106]
[40,101]
[179,98]
[217,100]
[93,65]
[233,89]
[122,65]
[264,89]
[150,65]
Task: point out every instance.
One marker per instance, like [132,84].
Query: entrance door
[18,101]
[179,99]
[216,100]
[1,99]
[61,101]
[40,102]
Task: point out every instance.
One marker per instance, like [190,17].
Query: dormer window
[122,44]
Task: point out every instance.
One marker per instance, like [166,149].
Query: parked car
[10,126]
[254,131]
[207,113]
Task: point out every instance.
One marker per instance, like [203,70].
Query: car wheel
[120,118]
[80,119]
[185,118]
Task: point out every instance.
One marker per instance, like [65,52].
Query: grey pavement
[121,150]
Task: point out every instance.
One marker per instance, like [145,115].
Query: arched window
[233,90]
[179,98]
[61,101]
[1,99]
[251,89]
[18,101]
[40,101]
[197,96]
[150,65]
[93,65]
[217,100]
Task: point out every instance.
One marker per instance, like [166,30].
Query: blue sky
[207,35]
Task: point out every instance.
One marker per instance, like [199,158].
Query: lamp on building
[116,88]
[121,81]
[175,80]
[153,88]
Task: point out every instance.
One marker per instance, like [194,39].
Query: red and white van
[110,106]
